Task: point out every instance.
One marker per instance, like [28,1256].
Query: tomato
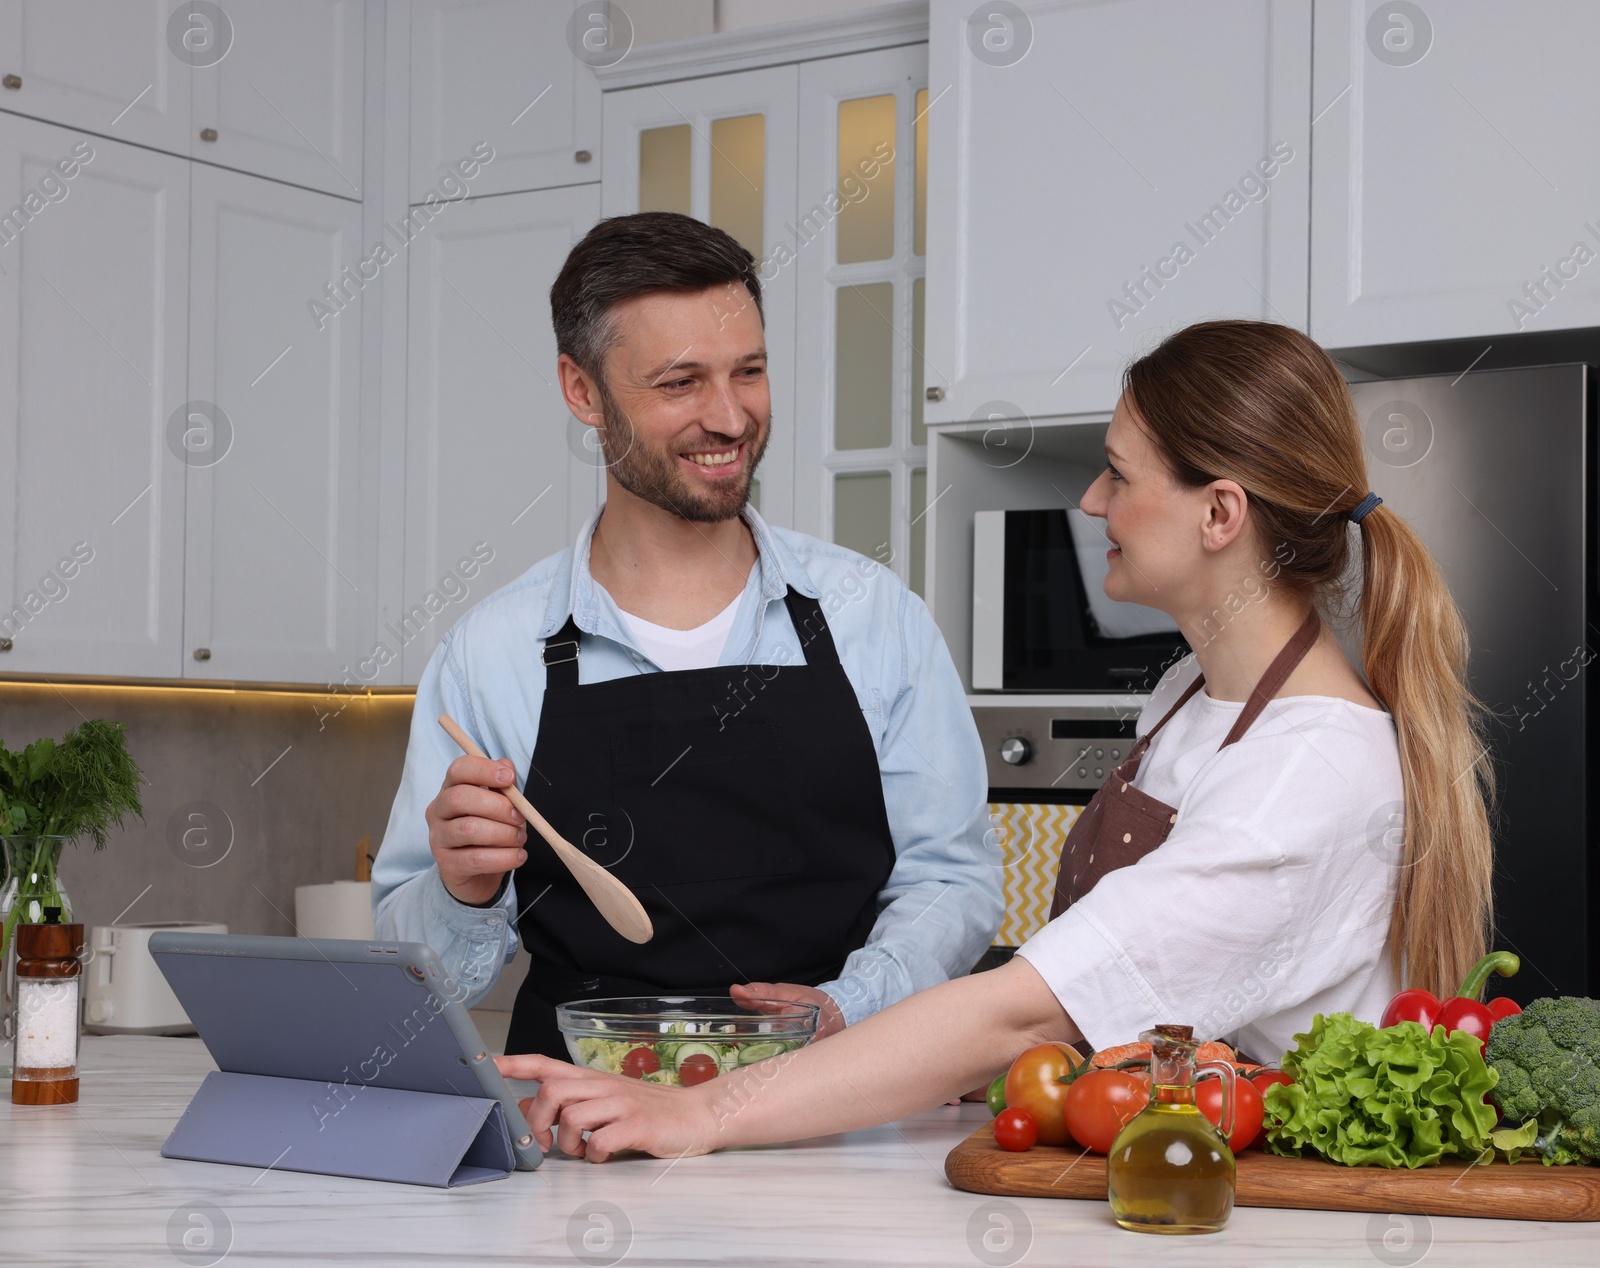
[997,1095]
[1100,1104]
[1263,1079]
[640,1062]
[1246,1109]
[1016,1130]
[1031,1085]
[697,1069]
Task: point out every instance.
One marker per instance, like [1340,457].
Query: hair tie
[1364,508]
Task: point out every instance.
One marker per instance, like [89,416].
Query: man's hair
[625,256]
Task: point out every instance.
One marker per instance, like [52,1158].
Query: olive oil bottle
[1170,1170]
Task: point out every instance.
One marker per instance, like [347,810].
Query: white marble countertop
[86,1184]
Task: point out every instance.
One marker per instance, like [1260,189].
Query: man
[762,734]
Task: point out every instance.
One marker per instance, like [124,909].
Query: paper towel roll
[340,910]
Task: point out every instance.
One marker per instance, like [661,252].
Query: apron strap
[816,639]
[1284,664]
[560,656]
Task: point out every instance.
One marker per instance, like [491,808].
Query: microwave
[1041,620]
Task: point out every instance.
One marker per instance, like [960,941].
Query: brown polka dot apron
[1121,824]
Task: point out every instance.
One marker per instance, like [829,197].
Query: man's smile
[724,462]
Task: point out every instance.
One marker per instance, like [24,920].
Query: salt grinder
[49,969]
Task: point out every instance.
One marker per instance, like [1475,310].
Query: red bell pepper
[1462,1011]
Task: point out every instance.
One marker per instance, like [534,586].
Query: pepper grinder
[49,968]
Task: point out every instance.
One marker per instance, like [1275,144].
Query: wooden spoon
[614,900]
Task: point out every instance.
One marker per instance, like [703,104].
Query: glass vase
[33,884]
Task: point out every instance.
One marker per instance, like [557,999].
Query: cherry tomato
[1100,1104]
[1016,1130]
[1246,1109]
[697,1069]
[997,1096]
[640,1062]
[1031,1085]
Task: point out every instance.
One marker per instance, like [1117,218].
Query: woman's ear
[1226,507]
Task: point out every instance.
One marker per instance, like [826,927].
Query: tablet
[335,1011]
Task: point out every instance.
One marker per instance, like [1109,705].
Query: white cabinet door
[1455,194]
[1101,175]
[501,72]
[281,569]
[93,331]
[106,66]
[722,149]
[285,100]
[497,476]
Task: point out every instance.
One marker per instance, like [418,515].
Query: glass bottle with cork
[1170,1170]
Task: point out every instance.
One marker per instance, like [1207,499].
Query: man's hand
[476,835]
[830,1020]
[618,1113]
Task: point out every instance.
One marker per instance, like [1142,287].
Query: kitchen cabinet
[722,149]
[502,72]
[101,65]
[280,559]
[498,474]
[1454,196]
[1100,175]
[285,100]
[272,87]
[94,323]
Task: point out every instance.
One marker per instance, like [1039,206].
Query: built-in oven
[1045,761]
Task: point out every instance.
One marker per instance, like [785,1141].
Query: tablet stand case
[359,1130]
[337,1060]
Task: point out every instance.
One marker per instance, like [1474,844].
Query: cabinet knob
[934,394]
[12,81]
[202,653]
[208,134]
[5,644]
[582,156]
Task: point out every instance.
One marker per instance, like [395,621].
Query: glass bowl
[681,1039]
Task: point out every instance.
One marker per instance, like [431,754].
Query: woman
[1283,839]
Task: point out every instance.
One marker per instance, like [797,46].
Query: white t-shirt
[699,648]
[1268,903]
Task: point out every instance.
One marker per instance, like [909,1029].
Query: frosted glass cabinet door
[103,65]
[93,331]
[501,73]
[281,559]
[498,472]
[737,134]
[1099,176]
[1454,197]
[286,99]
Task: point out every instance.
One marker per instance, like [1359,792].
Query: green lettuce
[1395,1097]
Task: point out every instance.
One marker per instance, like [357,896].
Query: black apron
[742,804]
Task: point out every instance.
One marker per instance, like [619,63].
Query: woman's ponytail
[1414,653]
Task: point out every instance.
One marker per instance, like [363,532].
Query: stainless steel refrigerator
[1496,471]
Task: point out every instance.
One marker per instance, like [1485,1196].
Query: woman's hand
[617,1112]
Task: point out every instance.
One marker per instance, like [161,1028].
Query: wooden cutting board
[1528,1191]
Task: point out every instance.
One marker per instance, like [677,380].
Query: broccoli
[1548,1058]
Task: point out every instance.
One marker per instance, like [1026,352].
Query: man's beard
[654,475]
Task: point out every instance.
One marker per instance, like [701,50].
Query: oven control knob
[1016,751]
